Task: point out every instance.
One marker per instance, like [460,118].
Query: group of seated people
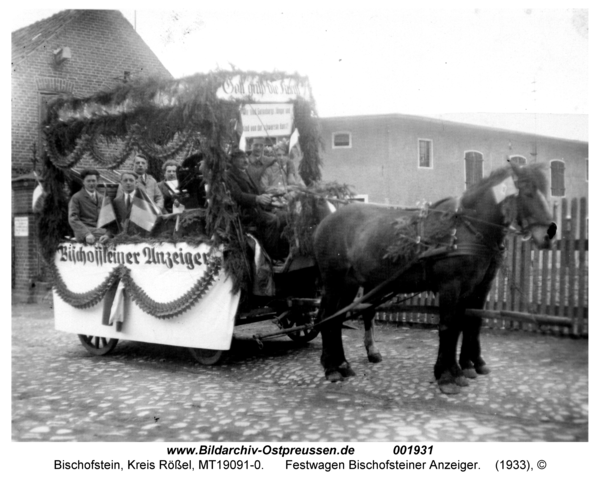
[86,204]
[259,183]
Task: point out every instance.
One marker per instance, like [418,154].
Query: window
[473,168]
[425,160]
[557,178]
[518,160]
[342,140]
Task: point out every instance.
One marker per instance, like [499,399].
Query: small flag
[143,210]
[107,213]
[242,144]
[117,311]
[37,198]
[294,140]
[505,189]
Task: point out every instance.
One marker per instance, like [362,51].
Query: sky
[515,68]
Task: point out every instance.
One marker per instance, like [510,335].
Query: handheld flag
[107,213]
[294,140]
[143,210]
[505,189]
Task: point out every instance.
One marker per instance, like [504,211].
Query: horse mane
[532,173]
[536,175]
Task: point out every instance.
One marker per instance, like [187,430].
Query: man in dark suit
[123,201]
[84,208]
[254,205]
[169,187]
[146,182]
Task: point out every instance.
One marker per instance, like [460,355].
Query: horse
[453,249]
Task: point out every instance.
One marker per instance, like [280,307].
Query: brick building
[405,159]
[75,52]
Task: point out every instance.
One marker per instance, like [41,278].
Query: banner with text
[257,89]
[187,282]
[267,119]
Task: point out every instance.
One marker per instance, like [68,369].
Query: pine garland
[87,299]
[138,295]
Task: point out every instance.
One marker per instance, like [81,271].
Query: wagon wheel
[297,319]
[207,357]
[98,345]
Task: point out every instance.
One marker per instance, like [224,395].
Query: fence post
[583,268]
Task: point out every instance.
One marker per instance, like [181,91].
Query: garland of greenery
[71,159]
[179,305]
[307,209]
[53,223]
[113,161]
[415,233]
[86,299]
[138,295]
[151,149]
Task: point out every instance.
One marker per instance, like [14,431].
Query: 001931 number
[413,449]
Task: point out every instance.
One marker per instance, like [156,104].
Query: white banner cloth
[165,272]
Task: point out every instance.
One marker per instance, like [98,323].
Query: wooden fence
[535,290]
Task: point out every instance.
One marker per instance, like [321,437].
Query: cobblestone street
[537,391]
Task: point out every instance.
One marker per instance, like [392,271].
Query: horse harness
[480,247]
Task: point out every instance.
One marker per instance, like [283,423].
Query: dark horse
[353,248]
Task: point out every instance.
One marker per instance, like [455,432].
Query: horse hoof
[375,357]
[449,388]
[346,370]
[482,370]
[462,381]
[469,372]
[334,376]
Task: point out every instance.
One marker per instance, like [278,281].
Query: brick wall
[27,265]
[103,46]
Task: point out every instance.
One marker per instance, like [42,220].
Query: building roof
[27,39]
[440,121]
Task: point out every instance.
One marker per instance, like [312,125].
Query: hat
[236,153]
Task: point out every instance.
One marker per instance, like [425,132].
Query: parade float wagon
[196,275]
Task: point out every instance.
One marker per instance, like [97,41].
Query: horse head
[529,205]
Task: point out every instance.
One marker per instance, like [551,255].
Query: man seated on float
[124,200]
[255,207]
[192,183]
[84,208]
[169,187]
[146,181]
[258,161]
[281,177]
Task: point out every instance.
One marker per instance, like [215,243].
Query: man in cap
[254,204]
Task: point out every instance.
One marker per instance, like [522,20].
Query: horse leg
[372,351]
[470,360]
[448,374]
[332,358]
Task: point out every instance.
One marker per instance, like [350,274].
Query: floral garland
[113,161]
[73,158]
[138,295]
[86,299]
[163,153]
[179,305]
